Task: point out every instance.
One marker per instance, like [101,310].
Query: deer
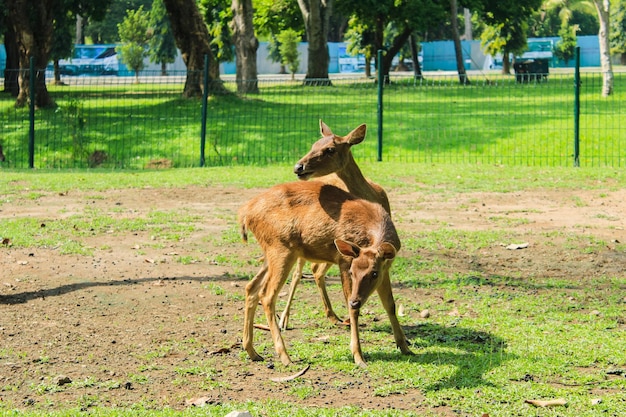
[320,223]
[330,160]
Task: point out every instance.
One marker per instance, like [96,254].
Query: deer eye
[374,274]
[329,151]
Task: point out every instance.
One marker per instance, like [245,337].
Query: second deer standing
[330,160]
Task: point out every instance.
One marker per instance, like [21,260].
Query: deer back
[307,218]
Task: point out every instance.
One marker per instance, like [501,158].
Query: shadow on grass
[26,296]
[472,353]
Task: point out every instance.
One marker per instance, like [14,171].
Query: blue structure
[437,56]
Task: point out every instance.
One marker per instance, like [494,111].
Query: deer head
[366,267]
[329,154]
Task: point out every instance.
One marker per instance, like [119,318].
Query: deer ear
[347,248]
[357,135]
[387,250]
[325,130]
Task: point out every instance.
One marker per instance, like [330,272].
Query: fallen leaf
[219,351]
[6,241]
[596,401]
[262,326]
[198,402]
[514,246]
[158,283]
[547,403]
[401,311]
[291,377]
[425,314]
[148,260]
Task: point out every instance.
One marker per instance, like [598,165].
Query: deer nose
[355,304]
[298,168]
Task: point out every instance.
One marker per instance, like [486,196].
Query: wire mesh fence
[113,122]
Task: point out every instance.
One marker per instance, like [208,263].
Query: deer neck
[355,181]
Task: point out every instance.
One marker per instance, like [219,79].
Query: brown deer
[330,160]
[324,224]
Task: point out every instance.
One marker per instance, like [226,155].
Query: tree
[379,17]
[566,46]
[456,37]
[604,9]
[506,27]
[62,42]
[33,24]
[288,40]
[192,38]
[162,47]
[359,39]
[105,29]
[618,31]
[315,14]
[246,45]
[135,37]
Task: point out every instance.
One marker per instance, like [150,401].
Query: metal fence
[113,122]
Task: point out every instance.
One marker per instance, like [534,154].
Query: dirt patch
[157,322]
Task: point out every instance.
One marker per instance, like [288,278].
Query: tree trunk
[11,71]
[80,30]
[57,72]
[397,44]
[246,45]
[192,38]
[163,69]
[458,51]
[417,68]
[467,18]
[316,15]
[33,25]
[603,8]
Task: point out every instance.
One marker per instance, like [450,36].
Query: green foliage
[217,14]
[617,35]
[105,30]
[273,16]
[565,48]
[134,34]
[162,45]
[288,46]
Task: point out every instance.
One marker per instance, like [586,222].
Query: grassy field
[517,337]
[493,121]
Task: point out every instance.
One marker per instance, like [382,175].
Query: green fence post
[205,99]
[31,114]
[577,108]
[381,80]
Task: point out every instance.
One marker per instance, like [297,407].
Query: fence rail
[112,122]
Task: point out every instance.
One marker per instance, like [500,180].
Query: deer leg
[386,297]
[279,267]
[319,273]
[295,280]
[252,300]
[355,342]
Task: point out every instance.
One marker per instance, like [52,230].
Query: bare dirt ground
[133,324]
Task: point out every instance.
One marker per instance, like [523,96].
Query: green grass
[512,339]
[494,121]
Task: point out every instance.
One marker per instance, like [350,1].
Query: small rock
[62,380]
[425,314]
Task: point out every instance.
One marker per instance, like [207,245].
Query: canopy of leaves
[273,16]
